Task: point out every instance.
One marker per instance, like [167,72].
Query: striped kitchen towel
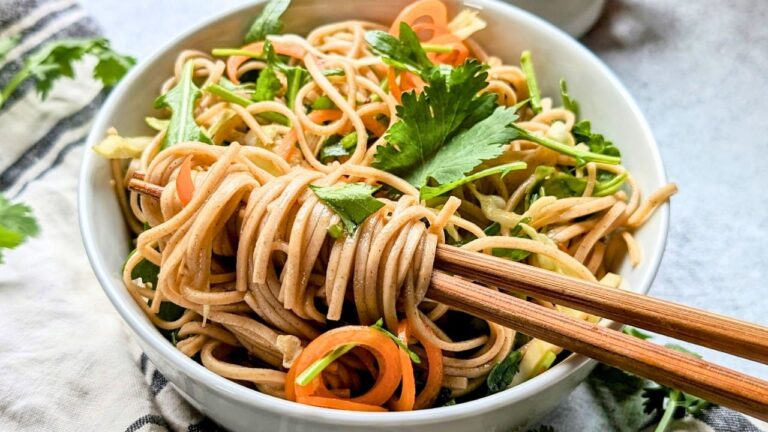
[68,362]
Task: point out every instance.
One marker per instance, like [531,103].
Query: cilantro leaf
[267,85]
[404,53]
[181,100]
[431,140]
[568,103]
[502,373]
[268,22]
[17,223]
[353,202]
[582,132]
[55,60]
[429,192]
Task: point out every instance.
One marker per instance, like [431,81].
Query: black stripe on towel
[44,145]
[158,383]
[143,363]
[205,425]
[14,10]
[82,28]
[724,420]
[149,419]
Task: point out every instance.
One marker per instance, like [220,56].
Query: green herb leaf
[337,146]
[181,101]
[526,64]
[156,123]
[405,53]
[379,325]
[353,202]
[517,231]
[268,22]
[582,132]
[429,192]
[502,373]
[267,85]
[323,102]
[568,103]
[55,60]
[145,270]
[17,223]
[580,155]
[296,76]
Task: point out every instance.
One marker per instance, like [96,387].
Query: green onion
[580,155]
[441,49]
[318,366]
[429,192]
[380,327]
[226,52]
[335,230]
[611,186]
[227,95]
[530,78]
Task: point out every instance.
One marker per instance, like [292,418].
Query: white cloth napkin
[67,361]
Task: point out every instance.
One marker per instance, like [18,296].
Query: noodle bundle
[245,266]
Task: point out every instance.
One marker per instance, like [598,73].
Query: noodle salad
[307,181]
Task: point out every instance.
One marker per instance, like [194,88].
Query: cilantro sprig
[17,224]
[404,53]
[56,59]
[503,372]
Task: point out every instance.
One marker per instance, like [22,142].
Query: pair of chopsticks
[663,365]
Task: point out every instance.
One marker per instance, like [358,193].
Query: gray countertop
[698,71]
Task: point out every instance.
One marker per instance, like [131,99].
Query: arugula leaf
[268,22]
[526,64]
[568,103]
[429,192]
[267,85]
[181,100]
[55,60]
[7,44]
[17,224]
[353,202]
[296,76]
[502,373]
[379,326]
[405,53]
[582,132]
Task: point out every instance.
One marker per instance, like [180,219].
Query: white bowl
[510,30]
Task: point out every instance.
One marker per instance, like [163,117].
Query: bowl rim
[224,387]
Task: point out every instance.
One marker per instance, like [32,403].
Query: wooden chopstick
[681,322]
[663,365]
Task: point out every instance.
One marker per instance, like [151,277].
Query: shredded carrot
[286,146]
[434,10]
[374,125]
[382,348]
[456,57]
[431,389]
[234,62]
[394,89]
[409,81]
[185,188]
[323,115]
[407,397]
[337,403]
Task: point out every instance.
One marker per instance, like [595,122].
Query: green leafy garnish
[501,375]
[405,53]
[568,103]
[337,146]
[526,64]
[181,101]
[55,60]
[353,202]
[517,231]
[226,95]
[145,270]
[379,325]
[323,102]
[156,123]
[296,76]
[560,184]
[429,192]
[319,365]
[267,85]
[268,22]
[17,224]
[447,130]
[582,132]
